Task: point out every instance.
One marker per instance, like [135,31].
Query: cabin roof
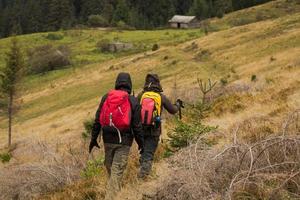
[182,19]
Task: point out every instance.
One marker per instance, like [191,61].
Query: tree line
[29,16]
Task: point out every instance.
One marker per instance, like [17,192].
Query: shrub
[203,55]
[174,62]
[88,127]
[228,103]
[54,36]
[103,45]
[268,169]
[253,78]
[52,171]
[93,168]
[47,58]
[184,134]
[97,21]
[5,157]
[155,47]
[223,81]
[122,25]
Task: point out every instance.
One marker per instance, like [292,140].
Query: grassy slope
[83,42]
[51,95]
[268,49]
[55,105]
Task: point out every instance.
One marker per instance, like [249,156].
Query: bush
[223,81]
[253,78]
[155,47]
[93,168]
[121,24]
[47,58]
[184,134]
[53,171]
[5,157]
[54,36]
[88,127]
[103,45]
[97,21]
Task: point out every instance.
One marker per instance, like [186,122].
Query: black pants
[146,160]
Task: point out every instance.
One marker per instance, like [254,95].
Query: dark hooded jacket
[152,83]
[110,135]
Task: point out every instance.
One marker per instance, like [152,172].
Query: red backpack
[116,111]
[151,108]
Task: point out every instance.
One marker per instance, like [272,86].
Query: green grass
[271,10]
[5,157]
[83,42]
[181,63]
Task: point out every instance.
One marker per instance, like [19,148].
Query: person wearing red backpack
[119,117]
[153,101]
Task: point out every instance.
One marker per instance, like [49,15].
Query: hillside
[55,105]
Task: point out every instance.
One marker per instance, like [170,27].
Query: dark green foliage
[47,58]
[61,13]
[223,81]
[97,21]
[86,8]
[200,9]
[122,12]
[103,45]
[155,47]
[253,78]
[10,79]
[18,17]
[88,126]
[185,133]
[13,71]
[93,168]
[54,36]
[5,157]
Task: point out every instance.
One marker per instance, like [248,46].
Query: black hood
[123,82]
[152,83]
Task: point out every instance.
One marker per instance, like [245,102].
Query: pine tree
[108,11]
[222,7]
[61,14]
[122,12]
[199,9]
[32,16]
[11,76]
[91,7]
[14,18]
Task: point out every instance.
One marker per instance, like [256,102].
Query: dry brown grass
[264,169]
[51,171]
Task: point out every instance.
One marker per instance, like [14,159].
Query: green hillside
[252,54]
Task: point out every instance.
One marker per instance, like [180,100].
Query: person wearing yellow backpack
[153,101]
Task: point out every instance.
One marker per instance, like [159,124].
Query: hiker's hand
[93,144]
[141,150]
[179,103]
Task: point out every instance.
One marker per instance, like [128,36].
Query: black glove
[141,150]
[140,143]
[179,103]
[93,144]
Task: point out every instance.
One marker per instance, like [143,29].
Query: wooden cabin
[180,21]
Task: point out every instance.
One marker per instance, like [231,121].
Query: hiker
[119,117]
[153,101]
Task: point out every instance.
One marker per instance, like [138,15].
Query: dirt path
[147,189]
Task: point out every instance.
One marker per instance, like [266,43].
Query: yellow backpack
[151,107]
